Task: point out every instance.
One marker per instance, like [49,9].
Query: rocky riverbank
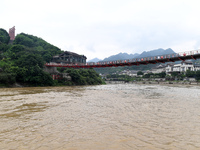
[155,82]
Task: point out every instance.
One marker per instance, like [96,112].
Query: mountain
[159,51]
[94,60]
[121,56]
[156,52]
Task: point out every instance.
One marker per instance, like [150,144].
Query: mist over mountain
[122,56]
[94,60]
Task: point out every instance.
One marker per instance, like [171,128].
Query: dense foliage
[4,40]
[7,78]
[117,77]
[155,75]
[4,36]
[23,62]
[193,74]
[83,76]
[41,47]
[140,73]
[26,64]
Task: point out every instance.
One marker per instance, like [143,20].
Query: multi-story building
[171,67]
[196,67]
[182,67]
[69,58]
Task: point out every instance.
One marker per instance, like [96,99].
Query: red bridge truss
[182,56]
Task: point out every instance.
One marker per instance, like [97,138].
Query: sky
[101,28]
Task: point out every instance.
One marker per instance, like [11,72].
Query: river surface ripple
[105,117]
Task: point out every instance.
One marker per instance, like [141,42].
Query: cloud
[102,28]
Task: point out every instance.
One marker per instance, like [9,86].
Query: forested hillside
[23,61]
[4,40]
[38,45]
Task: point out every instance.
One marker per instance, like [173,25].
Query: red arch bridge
[182,56]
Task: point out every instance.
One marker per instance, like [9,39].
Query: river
[103,117]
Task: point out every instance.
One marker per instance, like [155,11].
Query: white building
[196,67]
[171,67]
[131,73]
[182,67]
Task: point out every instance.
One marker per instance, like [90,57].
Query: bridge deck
[136,61]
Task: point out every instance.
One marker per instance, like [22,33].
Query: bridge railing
[187,53]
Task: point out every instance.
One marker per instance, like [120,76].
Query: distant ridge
[156,52]
[94,60]
[122,56]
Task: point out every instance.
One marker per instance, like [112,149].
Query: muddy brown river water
[104,117]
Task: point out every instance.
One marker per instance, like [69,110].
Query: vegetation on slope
[23,62]
[4,40]
[4,36]
[82,77]
[38,45]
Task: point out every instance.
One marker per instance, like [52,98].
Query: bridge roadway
[135,61]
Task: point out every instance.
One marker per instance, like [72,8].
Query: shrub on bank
[82,77]
[7,79]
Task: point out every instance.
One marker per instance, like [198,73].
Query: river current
[103,117]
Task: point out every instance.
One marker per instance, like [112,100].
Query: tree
[174,74]
[190,73]
[4,47]
[148,75]
[84,76]
[38,45]
[23,40]
[161,75]
[197,75]
[140,73]
[4,36]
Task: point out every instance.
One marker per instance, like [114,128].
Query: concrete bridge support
[56,74]
[51,70]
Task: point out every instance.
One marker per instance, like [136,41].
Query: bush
[84,76]
[7,78]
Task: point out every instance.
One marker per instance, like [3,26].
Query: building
[131,73]
[69,58]
[158,69]
[179,68]
[12,33]
[169,68]
[196,67]
[182,67]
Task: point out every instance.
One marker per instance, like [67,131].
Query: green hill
[38,45]
[23,62]
[4,40]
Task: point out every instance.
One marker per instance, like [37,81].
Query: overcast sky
[100,28]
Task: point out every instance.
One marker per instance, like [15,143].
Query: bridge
[182,56]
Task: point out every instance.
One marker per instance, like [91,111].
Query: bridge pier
[51,70]
[56,74]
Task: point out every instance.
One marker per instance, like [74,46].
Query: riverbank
[155,82]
